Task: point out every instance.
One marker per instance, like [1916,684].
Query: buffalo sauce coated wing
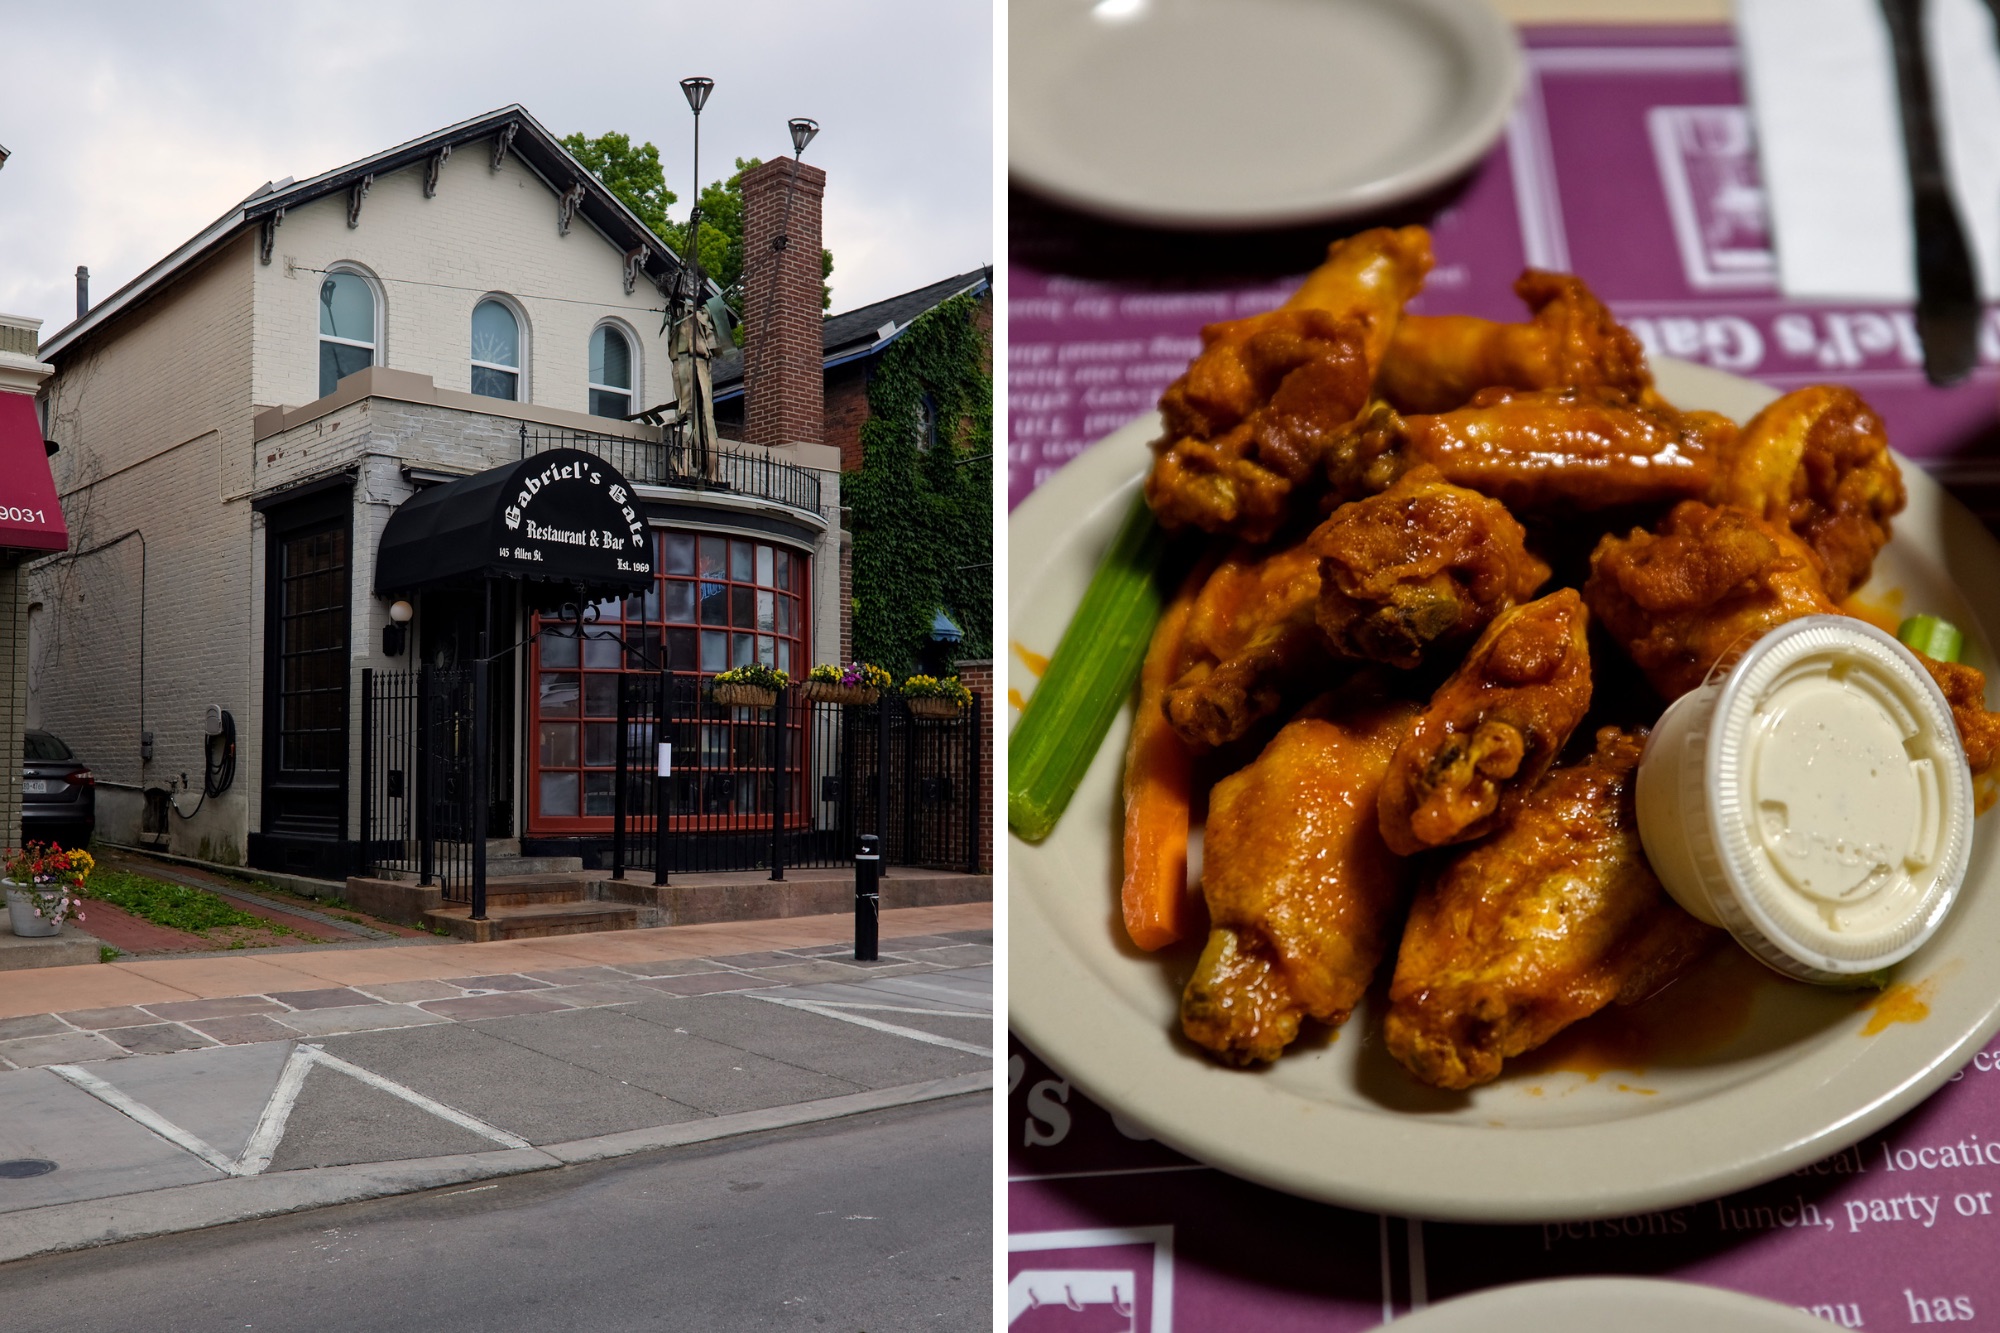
[1552,919]
[1817,461]
[1713,579]
[1253,421]
[1493,729]
[1251,641]
[1438,362]
[1565,450]
[1303,897]
[1423,563]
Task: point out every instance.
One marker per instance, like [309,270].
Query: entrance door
[450,623]
[310,575]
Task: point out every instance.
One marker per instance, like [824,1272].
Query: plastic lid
[1813,799]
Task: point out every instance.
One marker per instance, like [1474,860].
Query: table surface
[1631,161]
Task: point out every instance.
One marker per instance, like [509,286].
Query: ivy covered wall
[923,517]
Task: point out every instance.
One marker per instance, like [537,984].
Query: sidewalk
[150,1096]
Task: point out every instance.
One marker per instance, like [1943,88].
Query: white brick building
[265,397]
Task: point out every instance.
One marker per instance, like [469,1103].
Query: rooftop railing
[669,461]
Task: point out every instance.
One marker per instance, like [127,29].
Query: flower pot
[927,707]
[744,696]
[833,692]
[21,915]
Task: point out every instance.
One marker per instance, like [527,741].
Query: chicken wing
[1250,425]
[1493,729]
[1818,462]
[1302,894]
[1978,730]
[1438,362]
[1565,450]
[1252,642]
[1713,579]
[1556,917]
[1423,563]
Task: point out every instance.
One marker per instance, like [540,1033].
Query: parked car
[58,793]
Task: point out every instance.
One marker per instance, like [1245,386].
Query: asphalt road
[873,1224]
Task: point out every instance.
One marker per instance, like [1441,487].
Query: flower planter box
[934,707]
[744,696]
[832,692]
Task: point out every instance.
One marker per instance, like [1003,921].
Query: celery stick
[1936,639]
[1088,679]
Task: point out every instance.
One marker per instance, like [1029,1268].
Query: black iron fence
[793,785]
[669,461]
[422,806]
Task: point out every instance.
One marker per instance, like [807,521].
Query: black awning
[564,517]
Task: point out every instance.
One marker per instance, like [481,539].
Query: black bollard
[867,898]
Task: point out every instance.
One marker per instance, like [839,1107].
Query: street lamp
[696,90]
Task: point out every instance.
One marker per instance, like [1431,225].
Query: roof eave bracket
[566,207]
[269,239]
[433,168]
[635,262]
[503,141]
[355,195]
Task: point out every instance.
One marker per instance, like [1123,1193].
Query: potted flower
[45,888]
[752,686]
[855,683]
[930,697]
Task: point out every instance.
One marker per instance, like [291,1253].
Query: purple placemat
[1630,161]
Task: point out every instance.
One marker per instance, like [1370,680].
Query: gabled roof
[532,143]
[862,331]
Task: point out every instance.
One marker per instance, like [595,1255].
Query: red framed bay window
[716,602]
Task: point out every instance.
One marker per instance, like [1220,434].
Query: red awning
[31,518]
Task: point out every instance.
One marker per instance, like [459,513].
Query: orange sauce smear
[1034,661]
[1701,1012]
[1884,612]
[1904,1002]
[1014,697]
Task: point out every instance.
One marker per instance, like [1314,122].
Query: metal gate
[794,785]
[422,747]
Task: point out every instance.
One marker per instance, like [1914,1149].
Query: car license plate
[38,787]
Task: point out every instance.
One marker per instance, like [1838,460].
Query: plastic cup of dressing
[1813,800]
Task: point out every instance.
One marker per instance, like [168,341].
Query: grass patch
[175,906]
[105,953]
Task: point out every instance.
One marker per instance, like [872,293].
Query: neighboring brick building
[242,423]
[849,344]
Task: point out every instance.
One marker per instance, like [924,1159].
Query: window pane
[558,650]
[742,607]
[558,694]
[742,562]
[496,337]
[601,649]
[337,361]
[604,403]
[714,557]
[742,649]
[493,383]
[767,611]
[784,560]
[600,694]
[714,650]
[597,794]
[785,655]
[642,648]
[600,744]
[347,308]
[558,744]
[676,553]
[610,359]
[784,615]
[679,602]
[680,650]
[767,651]
[559,794]
[715,603]
[764,567]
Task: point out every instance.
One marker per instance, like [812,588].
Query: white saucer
[1252,113]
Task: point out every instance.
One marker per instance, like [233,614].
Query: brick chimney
[784,390]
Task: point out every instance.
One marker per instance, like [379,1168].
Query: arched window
[926,422]
[496,351]
[347,327]
[610,373]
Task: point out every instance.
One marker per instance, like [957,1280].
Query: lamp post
[696,90]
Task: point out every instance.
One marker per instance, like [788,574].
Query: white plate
[1340,1121]
[1593,1304]
[1242,113]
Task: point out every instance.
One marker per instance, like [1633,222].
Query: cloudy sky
[134,125]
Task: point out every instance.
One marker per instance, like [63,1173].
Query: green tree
[635,176]
[923,513]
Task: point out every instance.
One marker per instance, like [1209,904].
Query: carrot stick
[1159,774]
